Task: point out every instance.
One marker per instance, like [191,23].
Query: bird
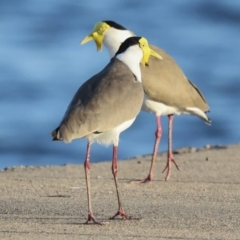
[105,105]
[167,90]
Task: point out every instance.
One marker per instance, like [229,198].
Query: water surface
[42,65]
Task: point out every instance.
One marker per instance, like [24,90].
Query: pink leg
[170,154]
[120,211]
[158,135]
[87,167]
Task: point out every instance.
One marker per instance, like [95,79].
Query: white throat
[113,38]
[132,58]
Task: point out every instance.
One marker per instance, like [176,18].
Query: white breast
[158,108]
[111,136]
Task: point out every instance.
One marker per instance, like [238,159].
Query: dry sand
[201,201]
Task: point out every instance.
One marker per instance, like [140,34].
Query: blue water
[42,65]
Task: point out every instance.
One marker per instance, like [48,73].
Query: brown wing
[164,82]
[106,100]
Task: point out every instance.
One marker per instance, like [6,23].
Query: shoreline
[175,152]
[200,201]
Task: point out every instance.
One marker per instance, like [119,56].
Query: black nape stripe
[128,43]
[115,25]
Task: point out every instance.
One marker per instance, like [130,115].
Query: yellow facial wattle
[147,51]
[97,34]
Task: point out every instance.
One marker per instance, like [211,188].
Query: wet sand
[201,201]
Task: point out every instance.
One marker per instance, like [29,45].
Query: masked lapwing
[105,105]
[167,90]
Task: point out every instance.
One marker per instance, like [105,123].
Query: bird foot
[148,179]
[122,214]
[92,218]
[169,166]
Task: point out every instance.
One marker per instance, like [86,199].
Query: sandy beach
[201,201]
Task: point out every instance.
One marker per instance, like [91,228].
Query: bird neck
[132,58]
[113,39]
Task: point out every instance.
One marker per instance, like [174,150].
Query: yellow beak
[98,39]
[87,39]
